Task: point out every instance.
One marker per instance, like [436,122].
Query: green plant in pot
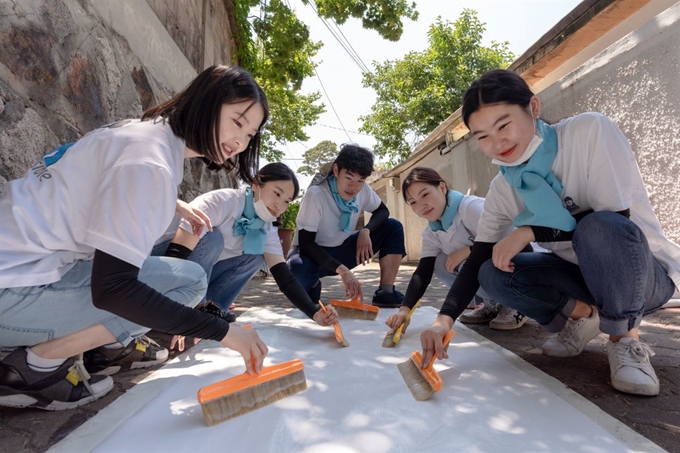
[287,226]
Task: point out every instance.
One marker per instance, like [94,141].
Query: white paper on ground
[356,400]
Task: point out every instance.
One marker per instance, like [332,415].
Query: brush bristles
[344,343]
[415,381]
[249,399]
[388,342]
[355,313]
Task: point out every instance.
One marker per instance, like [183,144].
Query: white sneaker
[631,371]
[574,337]
[480,315]
[508,319]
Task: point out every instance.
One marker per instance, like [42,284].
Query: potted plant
[286,226]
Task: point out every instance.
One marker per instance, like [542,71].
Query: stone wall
[69,66]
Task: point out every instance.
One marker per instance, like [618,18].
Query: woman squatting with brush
[244,240]
[452,226]
[78,228]
[576,189]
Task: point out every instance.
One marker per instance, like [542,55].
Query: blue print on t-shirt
[53,156]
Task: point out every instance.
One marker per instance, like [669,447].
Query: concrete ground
[657,418]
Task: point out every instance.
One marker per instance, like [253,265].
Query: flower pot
[286,238]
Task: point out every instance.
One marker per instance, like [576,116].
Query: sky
[519,22]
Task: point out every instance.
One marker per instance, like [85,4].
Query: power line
[333,127]
[332,106]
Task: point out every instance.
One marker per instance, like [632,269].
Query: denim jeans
[226,278]
[616,273]
[230,276]
[388,240]
[35,314]
[447,278]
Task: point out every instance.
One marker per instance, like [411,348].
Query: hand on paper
[395,319]
[352,285]
[247,343]
[364,247]
[431,339]
[326,318]
[194,216]
[506,249]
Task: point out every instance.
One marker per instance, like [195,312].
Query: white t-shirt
[460,234]
[598,170]
[319,214]
[114,190]
[224,207]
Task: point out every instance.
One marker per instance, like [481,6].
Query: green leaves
[314,158]
[415,94]
[275,47]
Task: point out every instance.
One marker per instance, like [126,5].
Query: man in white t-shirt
[325,242]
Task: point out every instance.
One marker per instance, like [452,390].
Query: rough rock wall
[63,72]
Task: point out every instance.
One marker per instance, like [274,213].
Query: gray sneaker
[508,319]
[574,337]
[481,315]
[631,370]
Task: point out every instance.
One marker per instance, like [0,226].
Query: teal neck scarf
[252,227]
[453,200]
[538,186]
[347,207]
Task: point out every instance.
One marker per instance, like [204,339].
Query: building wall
[69,66]
[635,83]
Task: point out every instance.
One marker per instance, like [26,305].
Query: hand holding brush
[338,330]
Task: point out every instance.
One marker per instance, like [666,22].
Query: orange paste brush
[355,309]
[338,330]
[422,383]
[393,337]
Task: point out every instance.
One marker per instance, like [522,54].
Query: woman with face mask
[242,241]
[575,188]
[452,226]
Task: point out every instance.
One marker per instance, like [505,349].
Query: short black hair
[356,159]
[194,116]
[277,172]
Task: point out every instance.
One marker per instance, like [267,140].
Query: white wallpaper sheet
[356,400]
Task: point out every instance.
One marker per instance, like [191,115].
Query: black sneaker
[387,300]
[214,310]
[68,387]
[143,352]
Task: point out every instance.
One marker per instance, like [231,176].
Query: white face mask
[262,211]
[535,142]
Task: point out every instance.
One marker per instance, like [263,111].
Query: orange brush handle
[336,326]
[245,380]
[354,303]
[429,372]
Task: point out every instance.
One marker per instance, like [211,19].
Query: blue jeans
[388,240]
[616,272]
[226,278]
[35,314]
[447,278]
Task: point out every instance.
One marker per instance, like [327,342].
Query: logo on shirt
[53,156]
[570,205]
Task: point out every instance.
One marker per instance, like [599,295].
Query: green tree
[315,157]
[274,45]
[417,93]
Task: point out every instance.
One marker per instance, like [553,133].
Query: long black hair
[194,116]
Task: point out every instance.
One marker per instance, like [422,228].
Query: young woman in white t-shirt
[452,226]
[244,238]
[575,188]
[75,271]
